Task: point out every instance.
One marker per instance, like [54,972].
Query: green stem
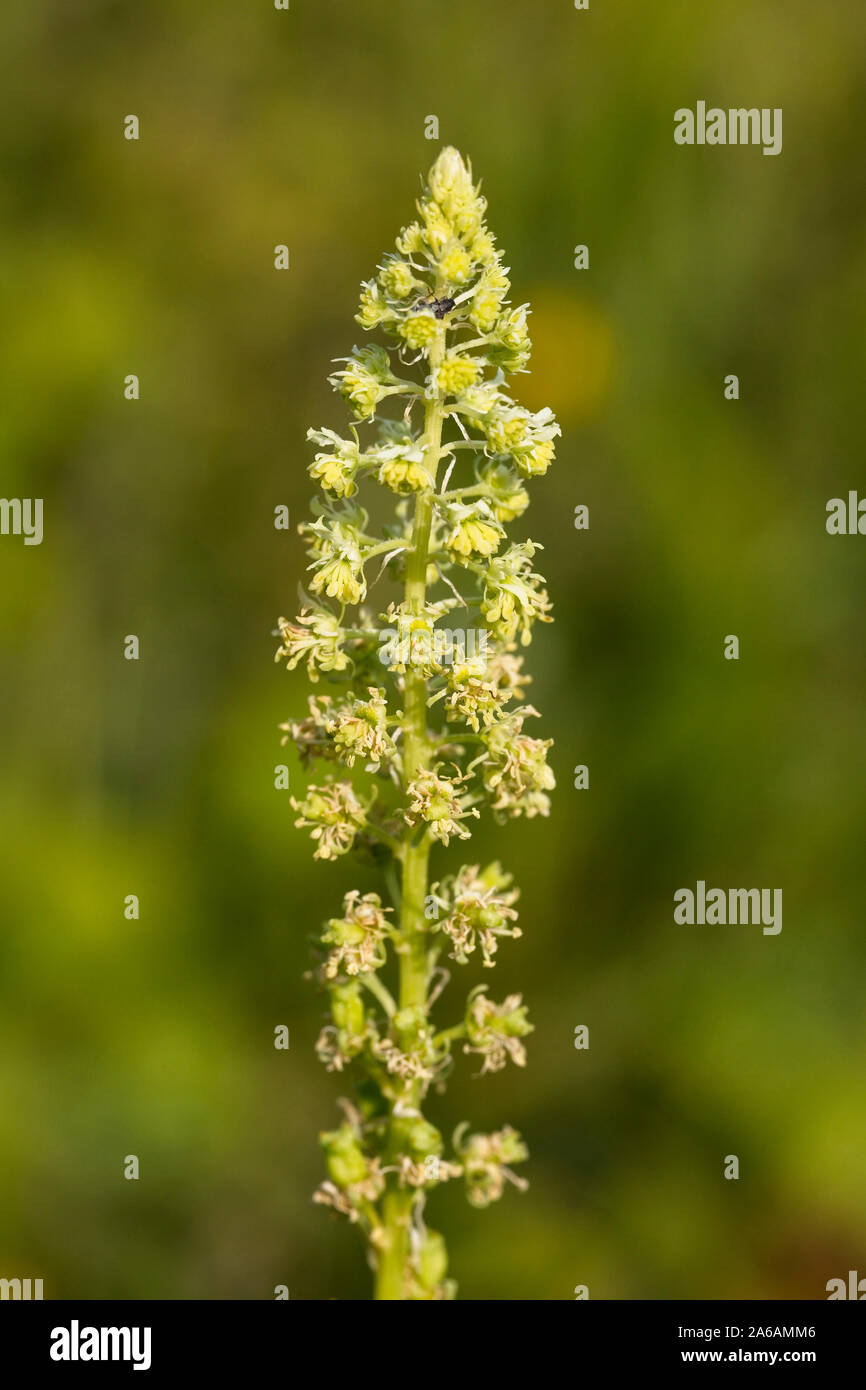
[375,986]
[457,495]
[391,1272]
[450,1035]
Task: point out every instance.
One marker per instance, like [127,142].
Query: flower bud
[398,279]
[347,1008]
[432,1261]
[484,310]
[455,265]
[344,1157]
[372,310]
[451,186]
[415,1136]
[404,476]
[410,242]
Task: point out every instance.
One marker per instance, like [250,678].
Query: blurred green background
[154,1037]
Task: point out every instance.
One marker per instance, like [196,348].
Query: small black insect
[440,307]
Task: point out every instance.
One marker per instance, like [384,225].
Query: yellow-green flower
[361,730]
[527,437]
[434,801]
[509,499]
[404,475]
[535,459]
[506,428]
[474,536]
[514,596]
[316,638]
[484,248]
[335,468]
[398,279]
[455,265]
[357,938]
[487,1160]
[438,231]
[473,530]
[366,379]
[331,472]
[516,771]
[478,912]
[481,399]
[510,345]
[373,309]
[410,242]
[419,329]
[485,306]
[334,815]
[340,578]
[495,1030]
[484,309]
[457,373]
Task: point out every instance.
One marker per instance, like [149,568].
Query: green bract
[421,730]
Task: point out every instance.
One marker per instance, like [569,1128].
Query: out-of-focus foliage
[154,1036]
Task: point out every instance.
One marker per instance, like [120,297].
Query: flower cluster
[358,937]
[478,910]
[435,800]
[419,729]
[516,772]
[316,638]
[495,1030]
[514,595]
[334,815]
[487,1161]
